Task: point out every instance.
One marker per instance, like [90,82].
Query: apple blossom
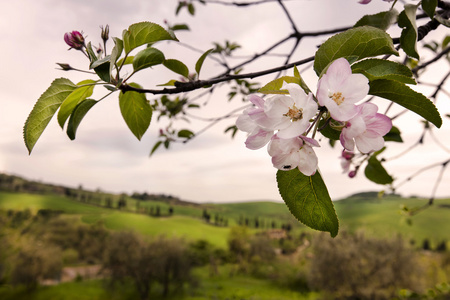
[258,137]
[296,152]
[338,90]
[290,114]
[366,129]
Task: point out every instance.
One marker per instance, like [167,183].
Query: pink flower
[290,114]
[338,90]
[74,39]
[366,129]
[296,152]
[258,137]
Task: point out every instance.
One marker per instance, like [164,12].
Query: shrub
[164,261]
[353,266]
[33,264]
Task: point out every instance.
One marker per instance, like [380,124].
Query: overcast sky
[212,167]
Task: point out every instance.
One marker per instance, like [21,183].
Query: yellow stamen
[294,113]
[337,97]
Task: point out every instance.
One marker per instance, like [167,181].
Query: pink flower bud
[74,39]
[347,155]
[352,174]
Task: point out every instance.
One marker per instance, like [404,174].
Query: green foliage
[375,69]
[353,44]
[44,109]
[375,171]
[77,116]
[382,20]
[147,58]
[177,67]
[165,261]
[274,87]
[84,90]
[136,111]
[308,200]
[35,263]
[394,135]
[408,38]
[200,61]
[429,6]
[406,97]
[142,33]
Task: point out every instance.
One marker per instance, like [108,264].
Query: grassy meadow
[378,217]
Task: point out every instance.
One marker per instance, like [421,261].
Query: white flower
[296,152]
[366,129]
[258,137]
[338,90]
[289,114]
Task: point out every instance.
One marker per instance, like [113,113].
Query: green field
[380,217]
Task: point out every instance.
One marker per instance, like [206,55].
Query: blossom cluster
[283,121]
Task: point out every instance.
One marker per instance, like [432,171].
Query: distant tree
[238,243]
[158,211]
[354,266]
[442,246]
[36,263]
[206,216]
[426,245]
[170,211]
[165,261]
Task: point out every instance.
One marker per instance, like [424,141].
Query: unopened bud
[65,67]
[348,155]
[105,33]
[74,39]
[352,174]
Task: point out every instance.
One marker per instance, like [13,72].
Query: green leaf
[302,83]
[375,171]
[91,53]
[328,131]
[382,20]
[102,67]
[443,21]
[191,9]
[353,44]
[308,200]
[179,27]
[406,97]
[144,33]
[136,111]
[128,61]
[155,147]
[116,52]
[44,109]
[274,87]
[84,90]
[147,58]
[77,116]
[429,6]
[184,133]
[393,135]
[408,37]
[177,67]
[199,63]
[169,83]
[375,69]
